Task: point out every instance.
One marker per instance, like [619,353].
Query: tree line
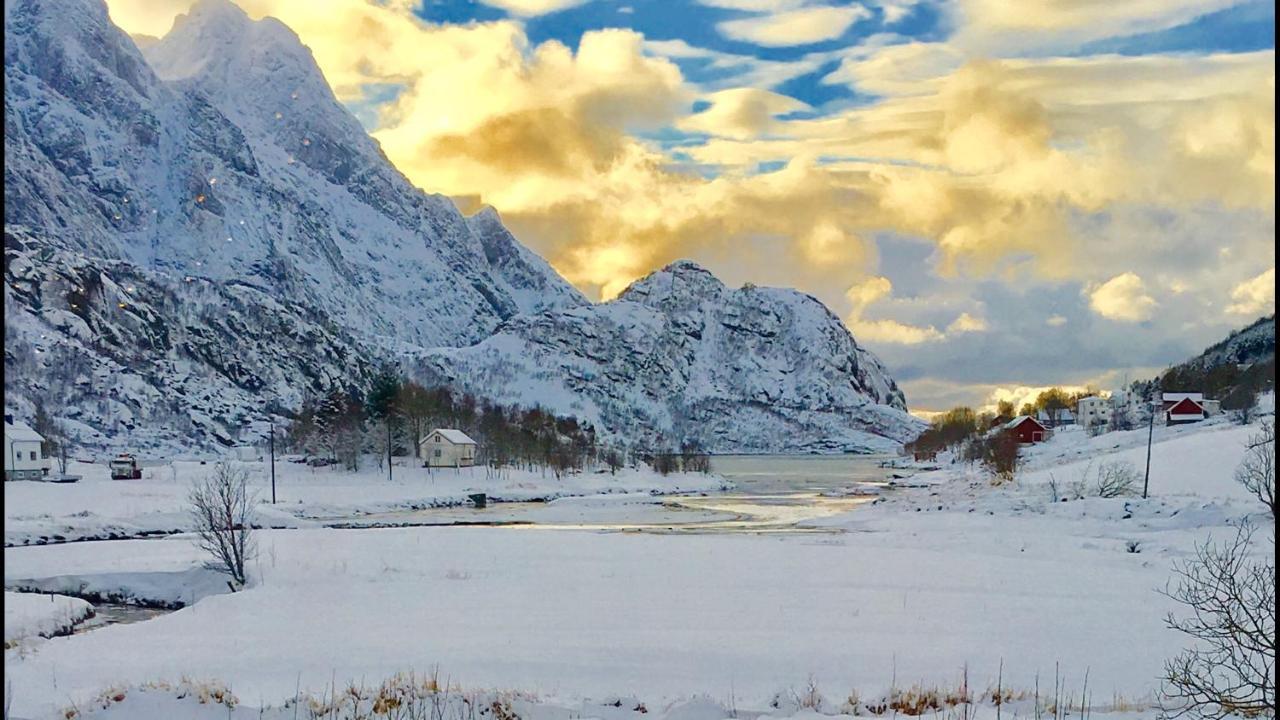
[393,416]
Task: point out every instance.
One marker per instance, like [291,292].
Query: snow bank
[28,615]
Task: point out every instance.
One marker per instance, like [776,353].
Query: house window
[437,452]
[33,454]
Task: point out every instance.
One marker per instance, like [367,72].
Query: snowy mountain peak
[217,45]
[679,282]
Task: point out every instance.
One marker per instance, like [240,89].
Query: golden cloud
[1256,296]
[872,291]
[741,113]
[1123,298]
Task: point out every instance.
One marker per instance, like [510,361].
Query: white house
[1093,410]
[23,456]
[445,447]
[1128,404]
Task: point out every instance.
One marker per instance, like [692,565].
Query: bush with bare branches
[1257,472]
[223,511]
[1115,479]
[1231,596]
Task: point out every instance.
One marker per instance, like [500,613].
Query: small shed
[1184,411]
[23,452]
[1027,430]
[446,447]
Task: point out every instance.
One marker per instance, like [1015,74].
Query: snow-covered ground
[97,507]
[28,616]
[923,587]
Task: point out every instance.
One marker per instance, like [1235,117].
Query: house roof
[21,431]
[457,437]
[1176,396]
[1018,421]
[1187,406]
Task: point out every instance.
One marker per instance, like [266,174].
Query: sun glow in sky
[993,194]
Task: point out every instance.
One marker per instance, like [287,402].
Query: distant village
[1095,411]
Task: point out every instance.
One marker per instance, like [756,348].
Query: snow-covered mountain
[224,155]
[201,229]
[679,356]
[221,160]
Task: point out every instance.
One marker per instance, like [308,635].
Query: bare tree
[223,511]
[1230,670]
[1116,479]
[56,443]
[1257,471]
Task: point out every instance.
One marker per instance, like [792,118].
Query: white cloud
[802,26]
[1123,298]
[531,8]
[967,323]
[1256,296]
[1056,321]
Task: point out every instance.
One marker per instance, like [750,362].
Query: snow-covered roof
[19,430]
[1176,396]
[457,437]
[1018,421]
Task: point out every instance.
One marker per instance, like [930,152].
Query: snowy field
[98,508]
[923,587]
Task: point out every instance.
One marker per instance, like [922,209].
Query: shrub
[1115,479]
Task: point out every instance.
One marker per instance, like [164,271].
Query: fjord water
[768,493]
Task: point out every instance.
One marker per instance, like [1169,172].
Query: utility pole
[1151,426]
[272,444]
[388,447]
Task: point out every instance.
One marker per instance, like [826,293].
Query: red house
[1027,430]
[1183,411]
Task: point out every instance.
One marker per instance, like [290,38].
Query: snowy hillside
[679,355]
[1248,345]
[274,251]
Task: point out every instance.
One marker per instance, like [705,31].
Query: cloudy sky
[996,195]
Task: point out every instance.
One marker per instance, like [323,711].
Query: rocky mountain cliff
[199,233]
[678,356]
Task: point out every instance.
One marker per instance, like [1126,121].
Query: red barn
[1027,430]
[1185,410]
